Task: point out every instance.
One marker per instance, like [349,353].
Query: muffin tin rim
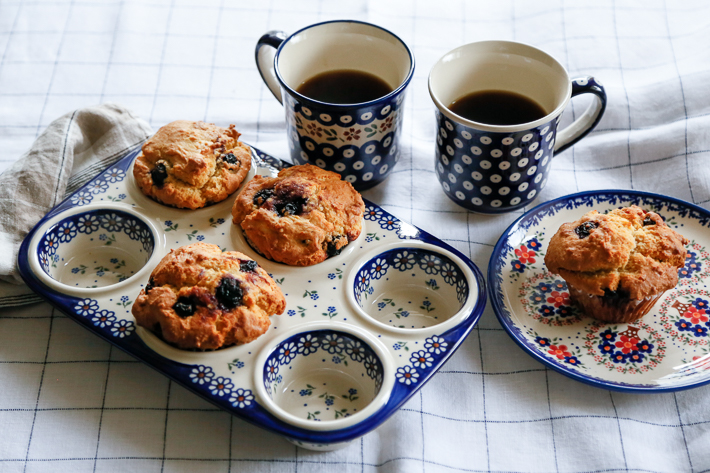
[54,219]
[377,403]
[457,318]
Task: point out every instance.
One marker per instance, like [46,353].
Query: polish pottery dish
[665,350]
[361,333]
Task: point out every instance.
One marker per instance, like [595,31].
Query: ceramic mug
[359,141]
[494,168]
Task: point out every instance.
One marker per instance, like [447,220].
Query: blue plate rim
[508,325]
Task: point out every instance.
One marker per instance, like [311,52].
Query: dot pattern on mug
[359,143]
[493,172]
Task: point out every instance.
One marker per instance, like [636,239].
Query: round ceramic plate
[666,350]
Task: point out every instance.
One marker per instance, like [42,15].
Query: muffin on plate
[617,265]
[199,297]
[192,164]
[301,217]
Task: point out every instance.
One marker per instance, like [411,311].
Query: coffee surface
[345,86]
[497,107]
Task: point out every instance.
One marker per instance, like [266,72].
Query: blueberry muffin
[301,217]
[199,297]
[192,164]
[617,265]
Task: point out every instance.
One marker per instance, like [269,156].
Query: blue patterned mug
[498,168]
[359,141]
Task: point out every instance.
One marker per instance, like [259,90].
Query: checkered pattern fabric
[71,402]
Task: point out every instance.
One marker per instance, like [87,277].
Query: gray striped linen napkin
[71,151]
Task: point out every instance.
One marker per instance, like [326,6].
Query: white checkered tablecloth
[70,402]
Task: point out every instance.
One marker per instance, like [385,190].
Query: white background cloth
[69,402]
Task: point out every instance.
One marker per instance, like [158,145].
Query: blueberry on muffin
[301,217]
[199,297]
[192,164]
[617,265]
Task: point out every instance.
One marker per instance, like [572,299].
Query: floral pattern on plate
[659,352]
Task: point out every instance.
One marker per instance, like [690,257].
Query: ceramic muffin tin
[362,331]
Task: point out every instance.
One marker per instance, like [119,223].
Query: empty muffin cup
[413,286]
[93,247]
[324,376]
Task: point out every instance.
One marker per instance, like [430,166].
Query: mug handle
[265,60]
[589,119]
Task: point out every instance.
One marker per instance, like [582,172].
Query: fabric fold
[71,151]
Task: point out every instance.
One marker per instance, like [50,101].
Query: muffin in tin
[301,217]
[617,265]
[199,297]
[192,164]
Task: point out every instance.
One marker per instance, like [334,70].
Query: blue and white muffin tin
[362,331]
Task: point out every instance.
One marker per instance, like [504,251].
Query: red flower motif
[627,344]
[525,255]
[558,298]
[314,130]
[704,362]
[386,124]
[352,134]
[696,315]
[559,351]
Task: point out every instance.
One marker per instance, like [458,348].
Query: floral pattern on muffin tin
[658,352]
[94,231]
[489,170]
[418,266]
[225,376]
[333,349]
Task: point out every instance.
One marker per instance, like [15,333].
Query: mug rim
[302,98]
[458,119]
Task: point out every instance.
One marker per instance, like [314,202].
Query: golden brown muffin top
[628,248]
[192,164]
[200,297]
[300,217]
[190,148]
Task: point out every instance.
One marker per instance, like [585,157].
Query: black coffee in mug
[344,86]
[497,107]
